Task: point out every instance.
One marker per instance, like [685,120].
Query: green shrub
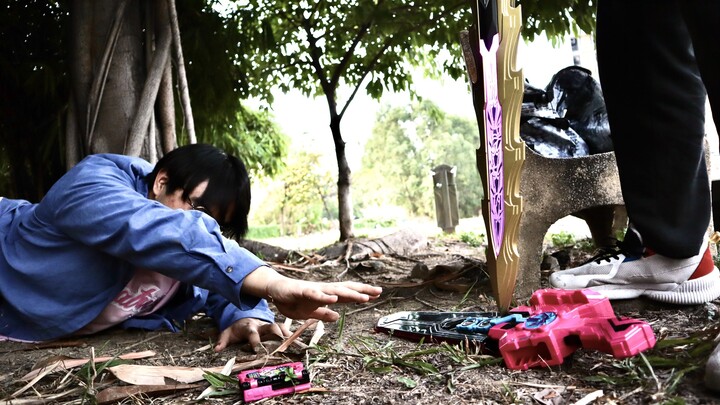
[586,245]
[263,232]
[473,239]
[373,223]
[562,239]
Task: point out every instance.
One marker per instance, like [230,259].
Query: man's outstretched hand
[300,299]
[250,330]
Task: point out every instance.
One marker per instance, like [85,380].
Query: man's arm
[102,205]
[300,299]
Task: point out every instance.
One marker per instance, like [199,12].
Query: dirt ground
[354,364]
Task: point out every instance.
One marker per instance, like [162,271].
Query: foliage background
[256,49]
[406,144]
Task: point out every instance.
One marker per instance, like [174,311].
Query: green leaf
[86,370]
[219,380]
[408,382]
[381,370]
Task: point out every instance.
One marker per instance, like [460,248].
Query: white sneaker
[624,275]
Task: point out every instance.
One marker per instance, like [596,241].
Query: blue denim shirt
[62,261]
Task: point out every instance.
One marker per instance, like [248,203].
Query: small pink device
[272,381]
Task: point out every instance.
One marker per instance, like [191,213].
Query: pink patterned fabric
[146,292]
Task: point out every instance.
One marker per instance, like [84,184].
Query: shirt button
[229,269]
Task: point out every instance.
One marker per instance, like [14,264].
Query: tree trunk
[125,75]
[120,57]
[345,207]
[143,116]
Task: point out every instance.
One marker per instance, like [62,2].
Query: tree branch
[315,63]
[388,43]
[81,69]
[351,50]
[182,77]
[166,111]
[98,85]
[73,144]
[134,141]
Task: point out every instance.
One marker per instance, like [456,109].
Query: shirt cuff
[232,314]
[240,263]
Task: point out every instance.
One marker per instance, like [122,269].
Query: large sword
[492,48]
[489,42]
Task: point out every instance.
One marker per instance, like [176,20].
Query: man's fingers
[325,314]
[351,291]
[370,290]
[253,337]
[285,331]
[333,293]
[346,294]
[223,341]
[320,297]
[271,330]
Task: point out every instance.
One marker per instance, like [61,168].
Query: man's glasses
[198,207]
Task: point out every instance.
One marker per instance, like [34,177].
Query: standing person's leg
[702,19]
[656,108]
[655,101]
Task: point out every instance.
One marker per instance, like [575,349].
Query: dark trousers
[656,59]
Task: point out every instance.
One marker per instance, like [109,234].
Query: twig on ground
[589,398]
[314,259]
[534,385]
[151,338]
[294,336]
[346,259]
[376,304]
[157,375]
[438,279]
[288,268]
[418,299]
[46,345]
[37,378]
[43,400]
[629,394]
[115,394]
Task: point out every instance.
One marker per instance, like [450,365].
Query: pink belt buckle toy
[272,381]
[560,322]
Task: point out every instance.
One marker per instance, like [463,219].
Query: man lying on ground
[118,242]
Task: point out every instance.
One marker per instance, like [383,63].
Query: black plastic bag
[566,119]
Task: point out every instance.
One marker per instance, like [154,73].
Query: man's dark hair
[228,182]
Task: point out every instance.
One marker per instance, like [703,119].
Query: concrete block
[552,189]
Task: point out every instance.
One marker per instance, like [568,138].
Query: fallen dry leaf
[66,363]
[548,396]
[116,394]
[319,332]
[156,375]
